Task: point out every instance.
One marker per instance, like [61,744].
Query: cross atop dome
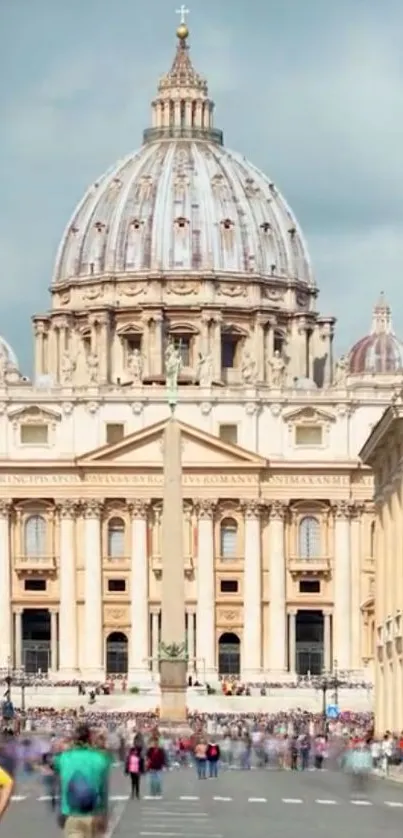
[182,30]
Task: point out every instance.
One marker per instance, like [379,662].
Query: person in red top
[155,762]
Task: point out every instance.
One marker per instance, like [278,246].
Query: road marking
[171,814]
[257,799]
[152,797]
[223,799]
[175,834]
[291,800]
[16,798]
[327,802]
[119,797]
[188,797]
[118,813]
[361,802]
[394,804]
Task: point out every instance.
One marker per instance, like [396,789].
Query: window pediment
[129,329]
[309,415]
[182,329]
[34,416]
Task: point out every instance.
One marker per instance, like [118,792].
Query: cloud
[312,96]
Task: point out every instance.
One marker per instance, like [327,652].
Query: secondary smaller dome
[380,352]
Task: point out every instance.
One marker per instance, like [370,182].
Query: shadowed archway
[117,653]
[229,654]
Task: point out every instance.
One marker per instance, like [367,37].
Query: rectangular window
[228,433]
[116,586]
[35,434]
[309,435]
[35,585]
[114,432]
[309,586]
[229,586]
[182,344]
[228,353]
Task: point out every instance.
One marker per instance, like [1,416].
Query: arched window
[372,541]
[116,538]
[309,537]
[35,536]
[228,538]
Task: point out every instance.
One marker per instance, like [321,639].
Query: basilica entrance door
[117,655]
[229,654]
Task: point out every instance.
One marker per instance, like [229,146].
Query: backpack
[134,764]
[81,795]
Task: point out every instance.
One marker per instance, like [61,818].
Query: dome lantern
[182,108]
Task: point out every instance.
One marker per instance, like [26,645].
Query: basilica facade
[186,244]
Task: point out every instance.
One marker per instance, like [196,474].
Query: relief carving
[116,616]
[182,287]
[231,289]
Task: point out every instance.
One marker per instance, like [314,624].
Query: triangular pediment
[309,414]
[34,413]
[145,448]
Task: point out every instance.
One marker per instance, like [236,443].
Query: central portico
[266,576]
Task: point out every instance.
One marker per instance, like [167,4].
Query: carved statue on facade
[67,368]
[173,365]
[92,367]
[248,368]
[341,370]
[205,369]
[278,365]
[3,364]
[136,365]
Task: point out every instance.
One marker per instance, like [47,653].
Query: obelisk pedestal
[173,653]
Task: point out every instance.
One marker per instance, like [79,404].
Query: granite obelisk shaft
[173,664]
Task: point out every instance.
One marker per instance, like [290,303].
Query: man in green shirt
[83,773]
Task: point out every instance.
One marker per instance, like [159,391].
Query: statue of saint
[92,367]
[278,365]
[135,366]
[67,368]
[173,365]
[341,370]
[205,370]
[248,368]
[4,364]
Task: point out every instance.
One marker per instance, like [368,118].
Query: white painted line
[170,814]
[257,799]
[291,800]
[223,799]
[152,797]
[119,797]
[175,834]
[394,804]
[115,820]
[327,802]
[44,799]
[16,798]
[188,797]
[361,802]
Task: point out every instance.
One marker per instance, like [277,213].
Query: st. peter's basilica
[185,244]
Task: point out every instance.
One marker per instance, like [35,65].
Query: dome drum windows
[184,339]
[232,346]
[181,223]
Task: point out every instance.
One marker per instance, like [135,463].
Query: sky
[309,90]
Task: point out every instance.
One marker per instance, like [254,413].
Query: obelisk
[173,653]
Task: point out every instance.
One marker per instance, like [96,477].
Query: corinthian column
[5,586]
[342,586]
[139,652]
[93,618]
[205,615]
[277,611]
[68,596]
[252,640]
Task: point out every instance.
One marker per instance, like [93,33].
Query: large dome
[183,202]
[177,205]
